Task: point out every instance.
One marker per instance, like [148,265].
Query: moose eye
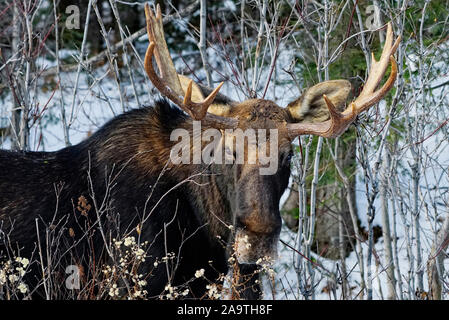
[287,158]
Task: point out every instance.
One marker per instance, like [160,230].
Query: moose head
[250,200]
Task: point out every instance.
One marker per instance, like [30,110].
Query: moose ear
[221,105]
[311,107]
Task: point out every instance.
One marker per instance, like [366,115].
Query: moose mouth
[251,247]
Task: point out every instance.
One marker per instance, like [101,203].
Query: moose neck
[140,141]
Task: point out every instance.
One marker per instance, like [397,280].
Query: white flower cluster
[199,273]
[174,292]
[131,247]
[213,291]
[113,291]
[241,242]
[245,241]
[168,257]
[12,272]
[266,263]
[129,255]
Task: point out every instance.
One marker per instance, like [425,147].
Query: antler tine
[378,67]
[369,95]
[158,82]
[155,31]
[199,110]
[168,84]
[339,122]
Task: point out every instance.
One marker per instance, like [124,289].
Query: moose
[204,213]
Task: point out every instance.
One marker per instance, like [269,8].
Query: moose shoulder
[122,181]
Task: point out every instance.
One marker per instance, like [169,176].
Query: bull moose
[121,180]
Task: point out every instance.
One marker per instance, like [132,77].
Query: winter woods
[365,216]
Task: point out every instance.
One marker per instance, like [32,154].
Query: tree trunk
[331,205]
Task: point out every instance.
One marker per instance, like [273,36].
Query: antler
[168,84]
[340,121]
